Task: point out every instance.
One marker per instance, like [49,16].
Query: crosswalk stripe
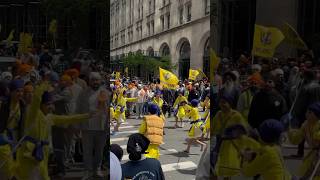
[164,152]
[119,139]
[126,127]
[128,132]
[178,166]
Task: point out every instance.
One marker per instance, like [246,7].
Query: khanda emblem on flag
[167,76]
[266,38]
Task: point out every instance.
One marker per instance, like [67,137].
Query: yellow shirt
[179,100]
[268,163]
[158,102]
[192,113]
[222,120]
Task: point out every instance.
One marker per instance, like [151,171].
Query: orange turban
[256,78]
[72,72]
[24,68]
[66,78]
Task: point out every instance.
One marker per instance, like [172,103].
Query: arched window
[184,60]
[150,52]
[165,50]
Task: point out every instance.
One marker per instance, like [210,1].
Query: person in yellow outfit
[227,164]
[12,112]
[197,126]
[152,128]
[267,161]
[310,131]
[206,116]
[180,102]
[33,154]
[157,100]
[121,106]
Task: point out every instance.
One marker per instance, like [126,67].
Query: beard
[229,86]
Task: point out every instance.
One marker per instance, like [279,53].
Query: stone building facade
[178,28]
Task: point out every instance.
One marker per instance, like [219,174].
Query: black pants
[58,143]
[301,148]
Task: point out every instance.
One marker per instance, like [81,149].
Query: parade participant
[152,128]
[33,154]
[244,103]
[197,128]
[159,102]
[267,161]
[206,116]
[231,87]
[139,166]
[93,100]
[309,131]
[12,112]
[141,95]
[180,103]
[121,107]
[266,104]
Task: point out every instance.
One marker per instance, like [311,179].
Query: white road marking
[176,166]
[119,139]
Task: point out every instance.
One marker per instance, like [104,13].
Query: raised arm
[61,120]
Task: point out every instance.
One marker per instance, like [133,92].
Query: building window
[163,3]
[152,27]
[181,15]
[188,12]
[207,7]
[168,21]
[150,6]
[162,22]
[149,29]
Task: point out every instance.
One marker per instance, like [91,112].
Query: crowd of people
[258,105]
[48,105]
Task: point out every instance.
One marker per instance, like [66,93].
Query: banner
[168,79]
[193,74]
[10,37]
[292,37]
[266,40]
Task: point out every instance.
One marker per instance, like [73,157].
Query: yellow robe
[310,132]
[159,103]
[181,111]
[7,169]
[268,163]
[122,103]
[228,162]
[193,114]
[38,126]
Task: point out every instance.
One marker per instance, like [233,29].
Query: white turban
[95,75]
[6,74]
[256,67]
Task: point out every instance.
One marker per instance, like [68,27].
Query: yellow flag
[25,42]
[168,79]
[10,37]
[202,73]
[117,75]
[292,37]
[266,40]
[53,27]
[214,63]
[193,74]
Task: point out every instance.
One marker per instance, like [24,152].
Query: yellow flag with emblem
[10,37]
[292,37]
[193,74]
[117,75]
[25,42]
[202,73]
[168,79]
[266,40]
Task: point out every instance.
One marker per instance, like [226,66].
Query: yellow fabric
[153,151]
[193,74]
[158,102]
[292,37]
[195,130]
[268,163]
[310,132]
[122,102]
[214,63]
[266,40]
[38,126]
[222,120]
[168,79]
[192,113]
[154,131]
[112,116]
[7,170]
[179,100]
[229,159]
